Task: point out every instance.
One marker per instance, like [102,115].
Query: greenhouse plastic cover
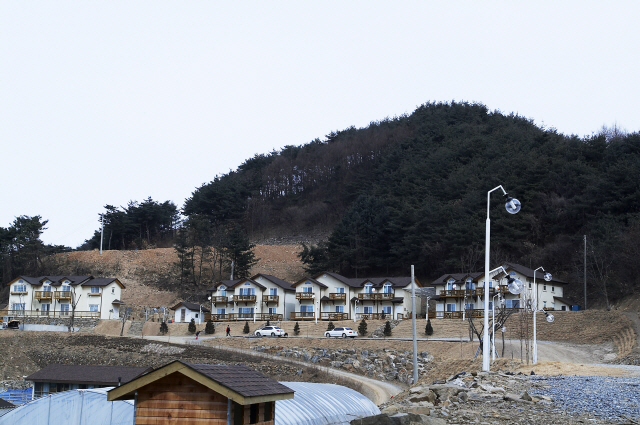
[322,404]
[75,407]
[313,404]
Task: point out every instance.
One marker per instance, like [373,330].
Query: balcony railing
[334,316]
[95,294]
[242,316]
[244,298]
[305,295]
[17,314]
[44,295]
[302,315]
[216,317]
[62,295]
[373,296]
[458,293]
[217,300]
[475,313]
[502,289]
[374,316]
[18,292]
[271,299]
[338,296]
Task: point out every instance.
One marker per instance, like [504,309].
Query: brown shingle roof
[241,379]
[81,374]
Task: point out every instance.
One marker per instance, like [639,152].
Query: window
[307,289]
[513,303]
[339,290]
[245,310]
[469,284]
[387,289]
[544,304]
[223,291]
[247,291]
[64,309]
[45,308]
[368,288]
[66,288]
[113,289]
[46,288]
[19,288]
[368,310]
[490,305]
[451,307]
[221,311]
[544,287]
[18,306]
[470,306]
[272,310]
[273,291]
[529,285]
[386,310]
[450,283]
[339,309]
[95,290]
[306,308]
[553,289]
[93,307]
[268,408]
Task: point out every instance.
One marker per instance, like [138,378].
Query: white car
[271,331]
[341,332]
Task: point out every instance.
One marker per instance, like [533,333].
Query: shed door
[183,312]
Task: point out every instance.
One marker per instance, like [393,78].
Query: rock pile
[382,364]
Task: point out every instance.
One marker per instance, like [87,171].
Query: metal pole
[101,231]
[585,272]
[535,310]
[413,324]
[485,336]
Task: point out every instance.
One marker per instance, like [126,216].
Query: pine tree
[210,328]
[192,326]
[296,329]
[330,326]
[387,329]
[428,330]
[362,327]
[164,328]
[246,327]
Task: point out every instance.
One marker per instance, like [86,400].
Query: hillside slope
[148,278]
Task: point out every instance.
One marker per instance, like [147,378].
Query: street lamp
[512,206]
[550,318]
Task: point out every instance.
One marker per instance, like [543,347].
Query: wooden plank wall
[177,399]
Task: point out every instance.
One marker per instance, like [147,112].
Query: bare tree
[74,303]
[600,270]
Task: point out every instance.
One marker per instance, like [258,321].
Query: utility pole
[585,272]
[413,323]
[101,231]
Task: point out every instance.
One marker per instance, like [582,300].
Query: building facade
[62,296]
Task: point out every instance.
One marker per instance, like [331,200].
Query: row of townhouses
[326,296]
[55,296]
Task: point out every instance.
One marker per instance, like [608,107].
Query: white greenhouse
[313,404]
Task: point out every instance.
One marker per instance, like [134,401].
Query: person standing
[197,333]
[228,330]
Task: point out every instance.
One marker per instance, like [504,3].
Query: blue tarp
[16,396]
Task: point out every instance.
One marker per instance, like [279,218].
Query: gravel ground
[608,398]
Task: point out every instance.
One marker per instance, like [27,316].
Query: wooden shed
[194,394]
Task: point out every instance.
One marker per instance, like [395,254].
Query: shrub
[330,326]
[362,327]
[428,330]
[268,324]
[387,329]
[245,330]
[164,328]
[210,328]
[192,326]
[296,329]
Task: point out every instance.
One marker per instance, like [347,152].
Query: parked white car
[271,331]
[341,332]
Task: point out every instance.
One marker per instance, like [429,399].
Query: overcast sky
[103,102]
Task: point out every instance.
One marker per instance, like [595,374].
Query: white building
[185,311]
[55,296]
[461,294]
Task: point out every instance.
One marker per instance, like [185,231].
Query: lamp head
[512,205]
[515,285]
[548,277]
[550,318]
[504,329]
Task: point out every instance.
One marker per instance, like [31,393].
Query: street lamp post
[550,318]
[512,206]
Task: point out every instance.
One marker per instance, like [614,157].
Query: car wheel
[328,335]
[344,335]
[273,334]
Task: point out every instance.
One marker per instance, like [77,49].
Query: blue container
[575,308]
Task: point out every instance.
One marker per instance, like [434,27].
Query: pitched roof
[5,404]
[249,280]
[102,281]
[227,283]
[190,306]
[237,382]
[310,279]
[281,283]
[91,374]
[564,301]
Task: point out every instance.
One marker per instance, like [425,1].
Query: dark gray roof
[310,279]
[526,271]
[247,279]
[281,283]
[5,404]
[101,281]
[459,277]
[227,283]
[190,306]
[80,374]
[241,379]
[564,301]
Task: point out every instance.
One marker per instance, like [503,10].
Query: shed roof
[237,382]
[190,306]
[87,374]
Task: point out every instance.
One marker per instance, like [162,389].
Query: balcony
[457,293]
[475,313]
[18,292]
[53,314]
[338,296]
[217,300]
[302,315]
[271,299]
[374,316]
[216,317]
[334,316]
[241,316]
[381,296]
[44,295]
[95,294]
[502,289]
[305,295]
[243,298]
[62,295]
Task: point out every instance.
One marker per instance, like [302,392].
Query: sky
[107,102]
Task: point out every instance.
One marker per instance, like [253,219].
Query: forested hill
[413,190]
